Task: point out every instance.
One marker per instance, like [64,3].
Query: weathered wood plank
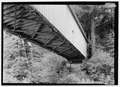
[6,12]
[13,14]
[7,7]
[38,30]
[60,43]
[28,23]
[30,30]
[12,22]
[46,29]
[8,19]
[50,40]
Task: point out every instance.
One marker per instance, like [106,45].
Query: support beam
[60,44]
[39,29]
[65,50]
[50,40]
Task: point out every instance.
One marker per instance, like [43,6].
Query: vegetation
[99,20]
[25,62]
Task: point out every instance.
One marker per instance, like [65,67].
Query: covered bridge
[54,27]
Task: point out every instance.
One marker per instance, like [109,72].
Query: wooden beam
[60,44]
[9,11]
[65,49]
[6,20]
[50,40]
[19,31]
[6,7]
[39,29]
[28,23]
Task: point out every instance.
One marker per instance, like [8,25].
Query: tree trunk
[93,35]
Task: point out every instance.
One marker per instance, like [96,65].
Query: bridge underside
[26,22]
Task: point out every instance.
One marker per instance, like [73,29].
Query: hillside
[39,65]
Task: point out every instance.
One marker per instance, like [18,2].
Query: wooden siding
[25,21]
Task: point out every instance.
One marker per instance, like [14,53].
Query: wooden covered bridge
[54,27]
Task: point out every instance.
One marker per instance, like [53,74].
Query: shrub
[100,67]
[47,69]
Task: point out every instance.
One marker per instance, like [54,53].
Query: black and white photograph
[59,43]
